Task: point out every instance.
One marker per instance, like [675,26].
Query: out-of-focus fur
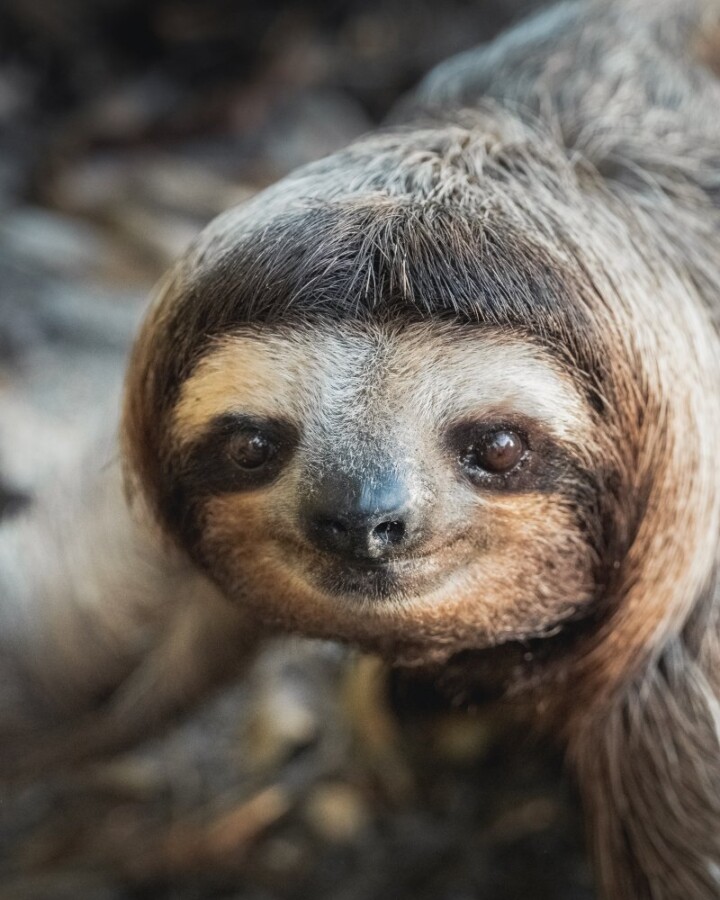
[105,630]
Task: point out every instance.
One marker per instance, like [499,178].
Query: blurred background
[125,125]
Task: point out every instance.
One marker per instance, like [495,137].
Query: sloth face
[423,488]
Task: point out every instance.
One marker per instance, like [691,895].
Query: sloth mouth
[376,579]
[370,565]
[369,578]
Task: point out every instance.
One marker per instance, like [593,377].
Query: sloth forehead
[322,376]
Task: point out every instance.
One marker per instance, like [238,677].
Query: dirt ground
[124,127]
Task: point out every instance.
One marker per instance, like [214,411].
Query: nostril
[391,532]
[359,537]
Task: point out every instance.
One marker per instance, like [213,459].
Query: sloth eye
[251,449]
[496,452]
[239,453]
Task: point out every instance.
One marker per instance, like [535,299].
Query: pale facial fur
[497,565]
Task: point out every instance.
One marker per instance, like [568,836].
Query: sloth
[452,395]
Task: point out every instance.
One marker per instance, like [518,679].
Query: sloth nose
[362,520]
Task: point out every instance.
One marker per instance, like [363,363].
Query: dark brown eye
[251,449]
[496,452]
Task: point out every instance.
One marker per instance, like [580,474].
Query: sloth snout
[356,519]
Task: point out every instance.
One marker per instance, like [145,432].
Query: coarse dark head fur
[382,323]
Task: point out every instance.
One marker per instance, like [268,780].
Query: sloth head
[399,398]
[387,482]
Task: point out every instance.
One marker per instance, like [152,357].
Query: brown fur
[561,188]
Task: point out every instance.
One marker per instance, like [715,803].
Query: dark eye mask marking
[238,453]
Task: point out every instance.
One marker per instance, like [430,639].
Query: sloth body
[453,395]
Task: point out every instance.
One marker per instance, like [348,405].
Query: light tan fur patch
[440,375]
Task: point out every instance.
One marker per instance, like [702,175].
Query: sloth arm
[104,629]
